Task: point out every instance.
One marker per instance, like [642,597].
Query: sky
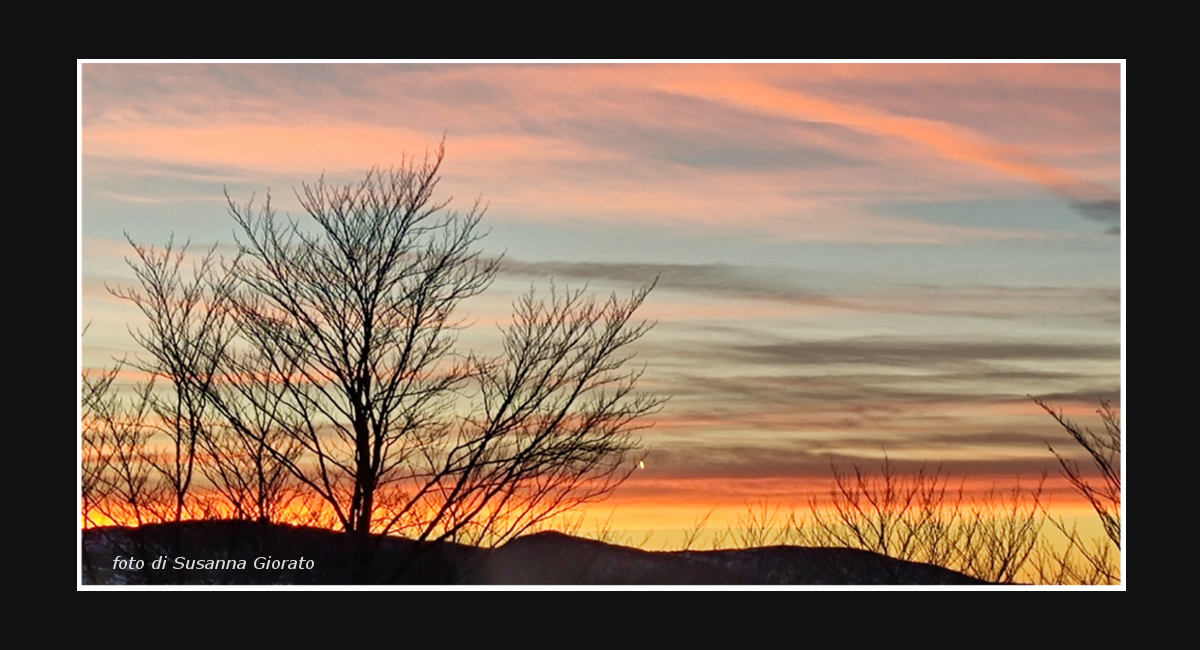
[854,259]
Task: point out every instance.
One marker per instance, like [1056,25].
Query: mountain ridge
[252,553]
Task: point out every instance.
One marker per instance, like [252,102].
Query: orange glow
[675,504]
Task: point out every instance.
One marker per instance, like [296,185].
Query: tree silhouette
[328,348]
[98,404]
[1105,452]
[186,336]
[555,423]
[917,517]
[1097,562]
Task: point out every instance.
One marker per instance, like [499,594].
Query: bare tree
[119,483]
[98,407]
[95,402]
[1105,452]
[556,421]
[891,514]
[188,333]
[691,536]
[1076,561]
[916,517]
[352,328]
[997,537]
[760,525]
[117,478]
[347,350]
[243,470]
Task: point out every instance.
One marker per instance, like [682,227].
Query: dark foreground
[245,553]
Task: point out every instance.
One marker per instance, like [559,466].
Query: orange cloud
[951,141]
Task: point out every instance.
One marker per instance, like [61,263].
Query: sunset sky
[853,258]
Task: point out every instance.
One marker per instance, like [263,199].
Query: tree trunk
[365,487]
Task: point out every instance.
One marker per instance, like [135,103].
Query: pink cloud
[951,141]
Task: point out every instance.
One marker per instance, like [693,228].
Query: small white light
[641,464]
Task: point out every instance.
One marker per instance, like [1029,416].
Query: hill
[248,553]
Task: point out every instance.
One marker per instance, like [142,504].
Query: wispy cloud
[798,286]
[708,146]
[713,279]
[952,141]
[893,351]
